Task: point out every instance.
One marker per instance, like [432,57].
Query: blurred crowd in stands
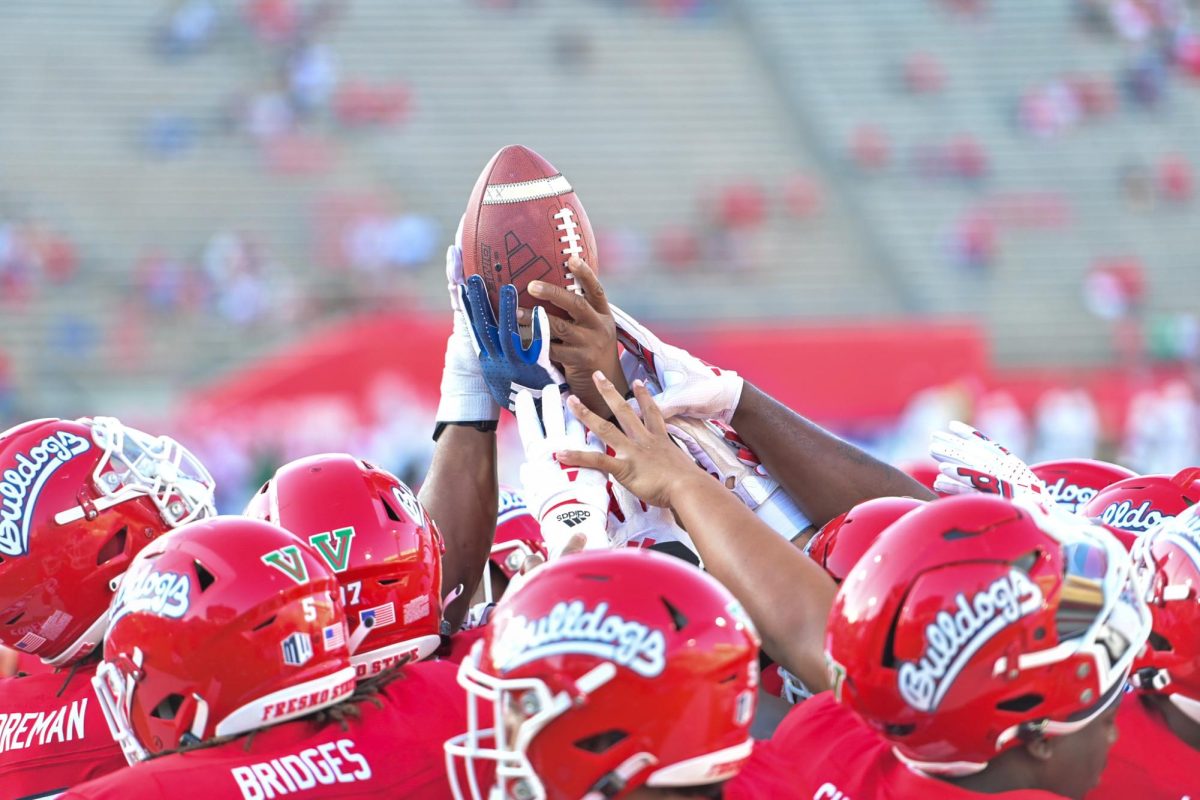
[1158,432]
[299,106]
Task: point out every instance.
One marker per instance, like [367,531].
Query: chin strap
[614,783]
[1150,679]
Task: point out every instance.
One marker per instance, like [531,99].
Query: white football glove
[687,387]
[971,462]
[478,615]
[464,394]
[719,451]
[632,522]
[564,500]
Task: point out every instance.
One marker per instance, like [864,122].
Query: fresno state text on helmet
[954,636]
[21,484]
[312,700]
[570,628]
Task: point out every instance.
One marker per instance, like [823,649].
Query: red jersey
[49,742]
[1148,761]
[458,646]
[823,751]
[390,751]
[32,665]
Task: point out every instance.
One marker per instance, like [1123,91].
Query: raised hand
[465,394]
[585,342]
[646,462]
[506,363]
[565,499]
[971,462]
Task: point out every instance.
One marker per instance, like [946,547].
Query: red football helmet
[383,548]
[78,500]
[1139,503]
[976,621]
[225,626]
[518,535]
[842,541]
[1073,482]
[609,670]
[1168,564]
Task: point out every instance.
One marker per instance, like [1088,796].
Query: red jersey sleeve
[50,741]
[1148,761]
[823,751]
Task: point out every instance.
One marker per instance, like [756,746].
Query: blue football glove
[507,364]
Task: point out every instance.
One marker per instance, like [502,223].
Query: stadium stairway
[839,65]
[656,116]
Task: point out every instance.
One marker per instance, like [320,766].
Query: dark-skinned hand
[586,342]
[647,461]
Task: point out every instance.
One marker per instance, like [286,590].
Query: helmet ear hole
[114,547]
[601,742]
[203,576]
[387,509]
[168,707]
[677,617]
[1021,704]
[1160,643]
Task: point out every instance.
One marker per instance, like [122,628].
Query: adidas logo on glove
[573,518]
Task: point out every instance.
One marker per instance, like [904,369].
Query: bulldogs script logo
[954,636]
[1137,520]
[1068,495]
[21,484]
[165,594]
[511,504]
[570,628]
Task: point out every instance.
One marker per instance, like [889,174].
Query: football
[523,223]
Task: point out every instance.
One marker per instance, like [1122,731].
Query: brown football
[523,223]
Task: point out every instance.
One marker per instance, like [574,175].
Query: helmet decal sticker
[21,484]
[165,594]
[1138,520]
[297,649]
[954,636]
[288,561]
[1070,496]
[336,555]
[571,629]
[408,501]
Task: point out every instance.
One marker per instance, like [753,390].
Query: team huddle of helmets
[992,633]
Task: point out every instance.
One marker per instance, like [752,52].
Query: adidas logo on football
[573,518]
[522,258]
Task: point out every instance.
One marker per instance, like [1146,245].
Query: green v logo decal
[288,561]
[334,547]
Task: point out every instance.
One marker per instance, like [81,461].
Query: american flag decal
[334,637]
[30,642]
[378,616]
